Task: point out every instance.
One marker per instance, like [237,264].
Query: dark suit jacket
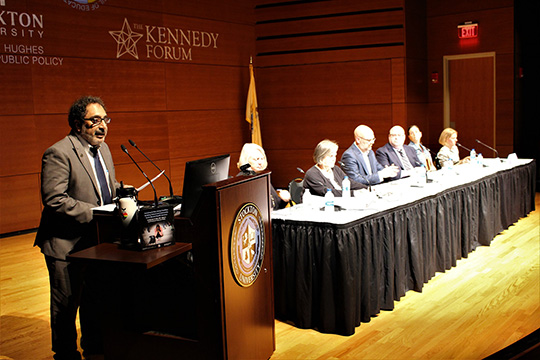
[69,190]
[355,166]
[317,183]
[386,155]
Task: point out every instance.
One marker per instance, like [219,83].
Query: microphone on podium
[170,199]
[247,170]
[489,147]
[147,178]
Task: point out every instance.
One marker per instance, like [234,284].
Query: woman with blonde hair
[449,150]
[253,161]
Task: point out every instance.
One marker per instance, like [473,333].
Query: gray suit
[69,191]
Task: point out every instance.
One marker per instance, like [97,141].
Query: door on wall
[469,99]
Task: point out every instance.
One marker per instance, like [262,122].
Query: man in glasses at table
[77,175]
[359,161]
[396,152]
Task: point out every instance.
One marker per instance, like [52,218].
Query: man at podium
[77,175]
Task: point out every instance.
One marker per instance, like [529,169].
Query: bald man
[359,161]
[395,152]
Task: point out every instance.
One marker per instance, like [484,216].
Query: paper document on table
[109,208]
[148,182]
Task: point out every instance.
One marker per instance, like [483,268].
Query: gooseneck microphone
[489,147]
[172,197]
[147,178]
[299,169]
[463,147]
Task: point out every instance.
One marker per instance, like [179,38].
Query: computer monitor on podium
[198,173]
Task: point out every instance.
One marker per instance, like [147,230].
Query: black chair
[296,189]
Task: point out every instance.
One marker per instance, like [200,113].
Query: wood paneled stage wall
[174,76]
[325,67]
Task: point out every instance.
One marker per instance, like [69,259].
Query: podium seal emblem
[247,245]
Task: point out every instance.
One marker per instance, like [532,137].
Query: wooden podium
[195,308]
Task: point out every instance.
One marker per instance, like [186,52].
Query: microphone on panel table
[489,147]
[142,172]
[463,147]
[174,199]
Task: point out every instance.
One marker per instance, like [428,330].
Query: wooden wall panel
[398,80]
[302,128]
[20,203]
[443,7]
[504,132]
[76,54]
[200,134]
[147,129]
[417,80]
[284,166]
[124,86]
[365,82]
[504,76]
[18,154]
[297,9]
[496,23]
[356,21]
[198,87]
[493,33]
[226,11]
[328,41]
[435,123]
[16,90]
[330,56]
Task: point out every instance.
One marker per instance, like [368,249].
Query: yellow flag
[252,111]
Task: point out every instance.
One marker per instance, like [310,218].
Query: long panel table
[333,271]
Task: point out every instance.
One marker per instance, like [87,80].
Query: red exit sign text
[468,30]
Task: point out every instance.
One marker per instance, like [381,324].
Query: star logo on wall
[126,40]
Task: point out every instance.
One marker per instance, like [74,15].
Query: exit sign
[468,30]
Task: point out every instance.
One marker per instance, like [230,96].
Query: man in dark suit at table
[359,161]
[395,152]
[77,175]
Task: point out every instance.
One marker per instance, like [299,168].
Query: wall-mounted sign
[468,30]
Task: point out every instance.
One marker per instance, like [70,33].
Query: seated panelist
[449,150]
[359,160]
[395,152]
[423,153]
[253,161]
[324,175]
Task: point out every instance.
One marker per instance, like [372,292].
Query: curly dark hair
[77,112]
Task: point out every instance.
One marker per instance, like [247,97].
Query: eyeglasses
[397,135]
[96,120]
[368,140]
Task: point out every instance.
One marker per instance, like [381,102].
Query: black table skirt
[333,277]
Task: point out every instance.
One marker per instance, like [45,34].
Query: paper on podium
[148,182]
[109,208]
